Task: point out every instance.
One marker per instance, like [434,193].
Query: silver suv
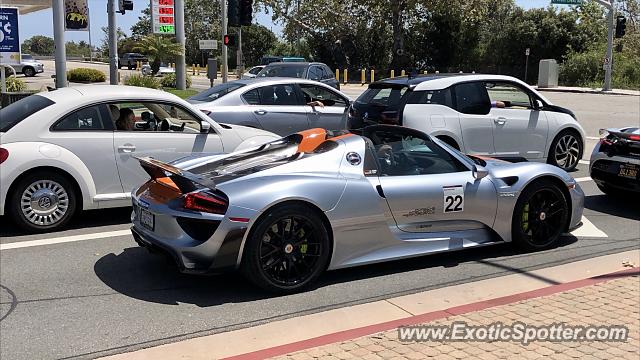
[29,66]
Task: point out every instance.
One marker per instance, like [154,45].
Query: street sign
[208,44]
[9,37]
[566,2]
[76,15]
[527,52]
[162,16]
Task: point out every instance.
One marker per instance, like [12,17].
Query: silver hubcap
[44,202]
[567,151]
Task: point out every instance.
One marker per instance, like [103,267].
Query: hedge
[86,75]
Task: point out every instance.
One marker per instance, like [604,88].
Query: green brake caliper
[525,218]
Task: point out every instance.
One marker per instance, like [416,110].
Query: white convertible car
[63,151]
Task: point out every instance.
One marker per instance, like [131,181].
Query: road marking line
[583,179]
[588,230]
[585,162]
[63,239]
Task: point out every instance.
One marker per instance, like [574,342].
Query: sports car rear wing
[632,136]
[184,180]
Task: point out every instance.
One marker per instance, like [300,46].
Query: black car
[130,60]
[615,162]
[304,70]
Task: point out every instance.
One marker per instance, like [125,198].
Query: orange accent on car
[166,181]
[311,139]
[159,190]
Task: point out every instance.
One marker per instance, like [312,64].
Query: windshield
[382,96]
[216,92]
[20,110]
[283,71]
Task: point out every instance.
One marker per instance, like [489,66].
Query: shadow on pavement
[85,220]
[153,278]
[626,208]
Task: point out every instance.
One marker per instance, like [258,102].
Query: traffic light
[246,12]
[124,5]
[229,40]
[233,13]
[621,25]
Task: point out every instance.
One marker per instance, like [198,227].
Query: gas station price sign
[162,16]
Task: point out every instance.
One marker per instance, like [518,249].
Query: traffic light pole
[609,64]
[181,67]
[113,43]
[223,11]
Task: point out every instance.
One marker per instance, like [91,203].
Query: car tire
[566,150]
[29,71]
[42,201]
[540,216]
[280,256]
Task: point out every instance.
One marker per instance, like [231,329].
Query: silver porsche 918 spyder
[290,209]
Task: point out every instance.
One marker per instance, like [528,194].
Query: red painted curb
[427,317]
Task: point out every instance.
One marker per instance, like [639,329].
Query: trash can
[548,73]
[9,98]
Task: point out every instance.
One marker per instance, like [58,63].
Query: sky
[40,22]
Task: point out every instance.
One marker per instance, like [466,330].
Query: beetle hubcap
[567,151]
[44,202]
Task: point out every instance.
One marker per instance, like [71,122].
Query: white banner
[76,15]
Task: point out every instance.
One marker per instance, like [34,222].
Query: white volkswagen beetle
[75,148]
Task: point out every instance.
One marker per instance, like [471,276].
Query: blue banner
[9,38]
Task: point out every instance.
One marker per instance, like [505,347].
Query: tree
[38,45]
[159,49]
[257,40]
[143,26]
[79,49]
[104,45]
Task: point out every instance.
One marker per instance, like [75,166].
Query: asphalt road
[106,295]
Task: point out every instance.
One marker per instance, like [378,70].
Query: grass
[182,93]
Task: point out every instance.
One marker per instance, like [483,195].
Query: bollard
[345,76]
[338,75]
[437,72]
[373,76]
[402,73]
[363,77]
[425,72]
[193,69]
[393,73]
[137,64]
[118,76]
[198,69]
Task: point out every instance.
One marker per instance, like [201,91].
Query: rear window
[11,115]
[283,71]
[434,97]
[216,92]
[383,96]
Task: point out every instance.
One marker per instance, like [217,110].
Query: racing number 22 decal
[453,198]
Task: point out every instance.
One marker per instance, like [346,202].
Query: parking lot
[90,290]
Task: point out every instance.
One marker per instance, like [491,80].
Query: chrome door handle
[127,148]
[500,121]
[260,112]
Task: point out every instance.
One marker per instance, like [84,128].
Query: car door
[88,133]
[476,124]
[162,130]
[519,129]
[427,189]
[278,108]
[331,116]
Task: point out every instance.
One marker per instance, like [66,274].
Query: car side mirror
[539,104]
[479,172]
[205,127]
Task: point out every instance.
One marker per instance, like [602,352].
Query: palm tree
[159,49]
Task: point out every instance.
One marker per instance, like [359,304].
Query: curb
[431,316]
[590,91]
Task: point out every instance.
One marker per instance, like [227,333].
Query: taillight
[205,202]
[4,154]
[634,137]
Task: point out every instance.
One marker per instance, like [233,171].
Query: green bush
[86,75]
[585,69]
[169,81]
[142,81]
[15,85]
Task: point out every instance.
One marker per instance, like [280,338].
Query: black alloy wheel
[287,250]
[540,216]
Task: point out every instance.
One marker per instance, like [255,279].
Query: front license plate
[147,219]
[628,171]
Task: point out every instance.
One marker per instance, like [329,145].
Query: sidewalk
[614,302]
[584,90]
